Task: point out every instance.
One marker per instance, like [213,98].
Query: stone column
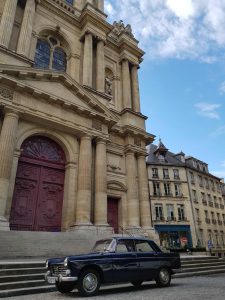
[7,147]
[83,209]
[133,216]
[69,199]
[88,60]
[126,84]
[7,22]
[143,192]
[100,68]
[100,4]
[23,46]
[100,183]
[135,88]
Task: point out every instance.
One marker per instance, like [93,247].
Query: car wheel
[137,283]
[89,283]
[65,287]
[164,277]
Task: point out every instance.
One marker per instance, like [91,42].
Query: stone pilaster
[23,46]
[100,4]
[100,68]
[83,207]
[100,184]
[143,192]
[135,88]
[133,216]
[126,83]
[7,147]
[7,22]
[88,60]
[74,69]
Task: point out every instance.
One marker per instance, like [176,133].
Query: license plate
[51,280]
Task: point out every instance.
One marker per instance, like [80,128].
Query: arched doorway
[39,186]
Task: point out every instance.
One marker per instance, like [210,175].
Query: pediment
[57,86]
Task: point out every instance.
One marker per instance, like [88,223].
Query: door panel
[112,214]
[39,185]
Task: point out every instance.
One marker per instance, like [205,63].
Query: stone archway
[39,186]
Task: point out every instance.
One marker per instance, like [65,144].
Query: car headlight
[65,262]
[46,264]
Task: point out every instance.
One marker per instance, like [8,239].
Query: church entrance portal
[112,214]
[38,194]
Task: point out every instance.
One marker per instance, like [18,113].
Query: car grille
[58,270]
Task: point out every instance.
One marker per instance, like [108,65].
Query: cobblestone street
[194,288]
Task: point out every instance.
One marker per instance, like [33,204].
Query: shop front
[174,236]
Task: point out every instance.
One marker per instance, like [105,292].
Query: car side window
[143,246]
[124,246]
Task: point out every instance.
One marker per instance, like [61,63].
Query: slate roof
[170,158]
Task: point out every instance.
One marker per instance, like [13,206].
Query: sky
[182,77]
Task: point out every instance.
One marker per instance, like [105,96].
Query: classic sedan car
[113,260]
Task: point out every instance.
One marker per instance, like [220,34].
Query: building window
[200,181]
[170,212]
[50,55]
[203,199]
[159,212]
[155,173]
[192,177]
[177,187]
[194,195]
[156,189]
[206,183]
[167,189]
[166,174]
[69,2]
[180,209]
[176,174]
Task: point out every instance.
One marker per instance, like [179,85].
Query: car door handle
[155,254]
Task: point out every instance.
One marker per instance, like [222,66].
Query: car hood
[75,257]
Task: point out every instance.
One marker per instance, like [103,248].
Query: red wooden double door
[39,186]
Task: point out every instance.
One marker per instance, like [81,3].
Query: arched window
[69,2]
[42,55]
[50,54]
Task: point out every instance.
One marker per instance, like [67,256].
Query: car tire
[164,277]
[137,284]
[89,283]
[65,287]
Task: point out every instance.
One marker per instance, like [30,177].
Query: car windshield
[102,246]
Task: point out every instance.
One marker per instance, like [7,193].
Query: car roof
[131,238]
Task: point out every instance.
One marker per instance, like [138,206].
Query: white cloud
[220,174]
[182,9]
[223,163]
[208,110]
[222,88]
[192,29]
[219,131]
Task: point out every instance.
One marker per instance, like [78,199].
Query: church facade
[72,137]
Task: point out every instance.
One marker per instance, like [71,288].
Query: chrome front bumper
[53,279]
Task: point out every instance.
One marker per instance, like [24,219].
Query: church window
[50,55]
[59,60]
[42,55]
[69,2]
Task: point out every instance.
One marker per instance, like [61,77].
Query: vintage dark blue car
[114,260]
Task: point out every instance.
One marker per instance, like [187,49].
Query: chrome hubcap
[164,276]
[90,282]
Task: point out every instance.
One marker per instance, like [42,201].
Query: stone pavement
[194,288]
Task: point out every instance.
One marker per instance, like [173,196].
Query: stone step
[202,260]
[6,272]
[21,284]
[27,291]
[15,278]
[217,263]
[15,265]
[200,268]
[198,273]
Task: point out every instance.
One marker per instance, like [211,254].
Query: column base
[103,229]
[4,224]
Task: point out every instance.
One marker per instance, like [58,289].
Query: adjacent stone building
[169,197]
[187,201]
[72,137]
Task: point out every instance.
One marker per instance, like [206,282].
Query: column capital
[86,137]
[142,154]
[11,113]
[101,140]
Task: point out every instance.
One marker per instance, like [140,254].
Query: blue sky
[182,78]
